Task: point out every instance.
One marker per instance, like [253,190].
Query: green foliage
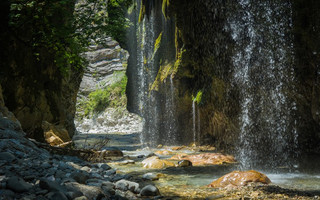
[165,5]
[198,97]
[157,45]
[64,29]
[112,96]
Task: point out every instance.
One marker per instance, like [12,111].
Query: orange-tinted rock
[240,178]
[164,152]
[55,134]
[205,158]
[155,162]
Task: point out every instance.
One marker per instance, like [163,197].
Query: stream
[191,182]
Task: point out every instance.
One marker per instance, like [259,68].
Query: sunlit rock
[205,158]
[164,152]
[155,163]
[240,178]
[184,163]
[55,135]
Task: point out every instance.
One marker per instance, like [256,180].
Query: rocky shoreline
[28,172]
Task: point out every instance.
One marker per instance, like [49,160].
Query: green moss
[157,45]
[165,5]
[163,73]
[142,12]
[112,96]
[198,97]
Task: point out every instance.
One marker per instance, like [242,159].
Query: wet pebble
[150,190]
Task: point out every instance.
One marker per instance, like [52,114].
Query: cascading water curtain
[263,70]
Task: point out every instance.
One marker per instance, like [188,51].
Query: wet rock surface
[205,158]
[240,178]
[155,162]
[30,172]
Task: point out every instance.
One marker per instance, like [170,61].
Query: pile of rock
[28,172]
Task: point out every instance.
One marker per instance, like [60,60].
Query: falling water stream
[262,61]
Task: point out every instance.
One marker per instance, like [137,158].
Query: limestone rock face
[37,90]
[103,62]
[106,67]
[240,178]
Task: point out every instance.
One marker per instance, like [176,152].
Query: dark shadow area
[273,189]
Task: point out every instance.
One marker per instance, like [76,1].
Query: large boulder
[155,162]
[240,178]
[55,134]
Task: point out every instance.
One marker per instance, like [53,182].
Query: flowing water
[263,64]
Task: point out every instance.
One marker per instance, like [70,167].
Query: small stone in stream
[7,156]
[126,162]
[127,185]
[103,166]
[118,177]
[17,184]
[50,185]
[80,177]
[86,168]
[150,176]
[184,163]
[149,190]
[45,165]
[56,196]
[110,172]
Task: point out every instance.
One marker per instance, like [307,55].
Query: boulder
[150,190]
[155,162]
[205,158]
[150,176]
[240,178]
[184,163]
[127,185]
[91,192]
[55,135]
[17,184]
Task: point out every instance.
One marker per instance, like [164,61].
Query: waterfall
[263,64]
[170,108]
[194,121]
[151,46]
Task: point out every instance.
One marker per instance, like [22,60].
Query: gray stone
[149,190]
[56,196]
[80,177]
[150,176]
[73,194]
[7,156]
[103,166]
[110,172]
[17,184]
[91,192]
[127,185]
[81,198]
[6,194]
[50,185]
